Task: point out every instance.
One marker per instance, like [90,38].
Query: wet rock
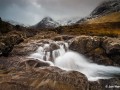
[54,46]
[112,45]
[111,82]
[14,86]
[24,49]
[63,38]
[112,48]
[99,56]
[2,46]
[34,63]
[5,50]
[40,76]
[102,50]
[7,44]
[90,46]
[51,46]
[47,78]
[10,64]
[105,84]
[67,80]
[12,39]
[95,86]
[84,44]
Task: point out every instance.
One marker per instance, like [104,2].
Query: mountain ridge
[46,22]
[103,9]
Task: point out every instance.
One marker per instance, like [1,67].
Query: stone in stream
[47,78]
[44,77]
[33,63]
[7,43]
[63,38]
[102,50]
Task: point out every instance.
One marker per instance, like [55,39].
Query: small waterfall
[47,52]
[57,54]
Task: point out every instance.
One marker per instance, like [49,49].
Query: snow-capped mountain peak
[69,21]
[46,19]
[47,22]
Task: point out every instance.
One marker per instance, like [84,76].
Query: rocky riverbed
[18,72]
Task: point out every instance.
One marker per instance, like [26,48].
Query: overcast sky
[31,12]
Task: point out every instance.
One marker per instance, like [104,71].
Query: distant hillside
[68,21]
[111,29]
[103,21]
[7,28]
[107,11]
[108,6]
[112,17]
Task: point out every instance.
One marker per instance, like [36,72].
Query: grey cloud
[7,3]
[75,7]
[32,11]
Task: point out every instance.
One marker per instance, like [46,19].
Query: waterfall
[47,52]
[69,60]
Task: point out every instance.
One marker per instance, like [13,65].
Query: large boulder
[102,50]
[99,56]
[89,46]
[112,48]
[47,78]
[24,49]
[112,45]
[7,43]
[84,44]
[54,46]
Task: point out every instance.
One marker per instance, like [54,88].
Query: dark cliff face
[106,7]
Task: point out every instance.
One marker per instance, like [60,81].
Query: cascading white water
[69,60]
[74,61]
[44,53]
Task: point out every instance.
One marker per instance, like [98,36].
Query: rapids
[69,60]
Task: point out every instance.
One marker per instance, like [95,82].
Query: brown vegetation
[111,29]
[112,17]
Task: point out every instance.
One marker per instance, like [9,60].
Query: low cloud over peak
[32,11]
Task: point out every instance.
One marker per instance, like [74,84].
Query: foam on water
[43,53]
[74,61]
[69,60]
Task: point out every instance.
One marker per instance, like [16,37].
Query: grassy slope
[108,25]
[113,17]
